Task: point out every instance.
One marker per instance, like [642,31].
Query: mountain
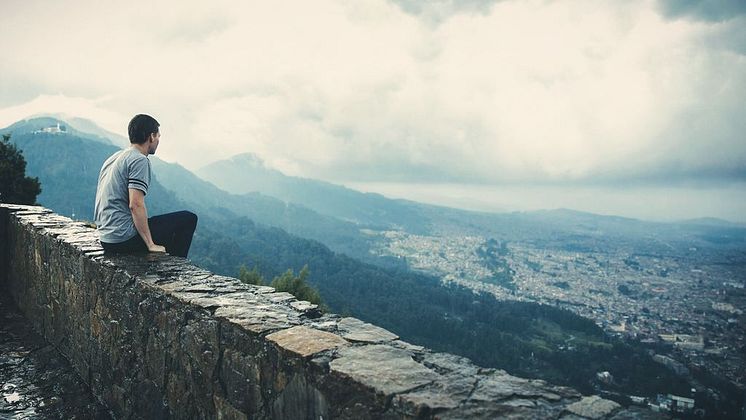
[247,173]
[561,228]
[340,235]
[47,124]
[711,221]
[90,127]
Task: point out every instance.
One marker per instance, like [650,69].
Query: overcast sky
[590,94]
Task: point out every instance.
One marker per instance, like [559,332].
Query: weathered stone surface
[638,413]
[440,395]
[300,400]
[386,369]
[308,308]
[225,411]
[463,390]
[408,346]
[500,385]
[593,407]
[305,341]
[354,329]
[472,410]
[457,380]
[448,364]
[327,322]
[508,400]
[200,345]
[259,319]
[278,297]
[30,368]
[213,300]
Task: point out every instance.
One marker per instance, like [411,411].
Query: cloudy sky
[635,108]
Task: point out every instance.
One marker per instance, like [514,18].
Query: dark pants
[172,230]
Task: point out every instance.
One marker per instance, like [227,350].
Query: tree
[251,277]
[287,282]
[15,186]
[297,286]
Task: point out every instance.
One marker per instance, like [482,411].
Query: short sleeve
[139,174]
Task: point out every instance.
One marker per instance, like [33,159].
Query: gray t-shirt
[125,169]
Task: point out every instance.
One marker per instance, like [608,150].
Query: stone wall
[157,337]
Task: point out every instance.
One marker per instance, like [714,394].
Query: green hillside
[525,339]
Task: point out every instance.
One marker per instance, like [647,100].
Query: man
[120,212]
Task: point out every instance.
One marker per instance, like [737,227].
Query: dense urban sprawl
[693,303]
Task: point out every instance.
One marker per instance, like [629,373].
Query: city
[688,308]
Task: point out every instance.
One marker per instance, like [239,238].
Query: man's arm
[140,217]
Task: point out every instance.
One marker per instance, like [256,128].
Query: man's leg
[131,246]
[174,231]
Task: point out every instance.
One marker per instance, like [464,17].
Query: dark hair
[141,127]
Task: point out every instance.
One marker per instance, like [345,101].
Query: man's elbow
[136,205]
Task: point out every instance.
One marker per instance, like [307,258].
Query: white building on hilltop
[55,129]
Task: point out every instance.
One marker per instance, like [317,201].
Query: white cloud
[517,90]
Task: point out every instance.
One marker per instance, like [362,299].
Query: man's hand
[156,248]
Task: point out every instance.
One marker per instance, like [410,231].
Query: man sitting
[120,213]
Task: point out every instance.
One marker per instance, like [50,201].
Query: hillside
[339,235]
[48,124]
[523,338]
[246,173]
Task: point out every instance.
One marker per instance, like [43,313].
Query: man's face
[155,138]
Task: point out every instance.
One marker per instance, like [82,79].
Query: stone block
[593,407]
[385,369]
[354,329]
[305,342]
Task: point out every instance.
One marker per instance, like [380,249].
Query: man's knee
[191,218]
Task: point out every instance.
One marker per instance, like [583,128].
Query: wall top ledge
[410,381]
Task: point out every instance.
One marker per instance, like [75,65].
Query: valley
[626,308]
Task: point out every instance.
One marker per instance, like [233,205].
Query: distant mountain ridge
[711,221]
[295,218]
[246,173]
[88,126]
[80,127]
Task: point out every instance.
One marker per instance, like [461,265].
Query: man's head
[143,129]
